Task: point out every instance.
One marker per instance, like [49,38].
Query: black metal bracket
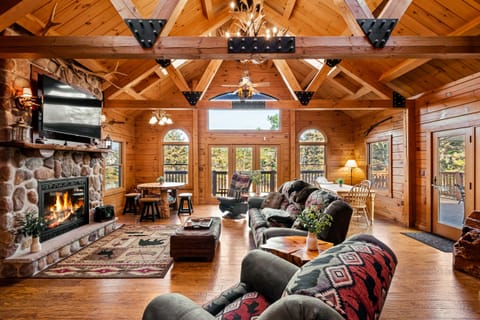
[192,96]
[146,31]
[377,30]
[398,100]
[333,62]
[261,45]
[304,96]
[163,62]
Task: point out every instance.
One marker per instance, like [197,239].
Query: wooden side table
[293,248]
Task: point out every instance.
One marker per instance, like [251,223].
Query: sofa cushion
[249,306]
[273,200]
[278,217]
[256,218]
[321,198]
[353,278]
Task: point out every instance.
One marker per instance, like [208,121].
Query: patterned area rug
[437,242]
[129,252]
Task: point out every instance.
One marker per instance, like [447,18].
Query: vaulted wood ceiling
[435,42]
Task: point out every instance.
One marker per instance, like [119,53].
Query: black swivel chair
[236,202]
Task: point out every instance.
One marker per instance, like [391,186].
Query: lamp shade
[351,164]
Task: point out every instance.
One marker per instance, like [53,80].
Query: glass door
[261,161]
[450,169]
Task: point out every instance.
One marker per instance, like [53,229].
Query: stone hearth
[21,168]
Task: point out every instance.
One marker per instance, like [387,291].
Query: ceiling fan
[246,87]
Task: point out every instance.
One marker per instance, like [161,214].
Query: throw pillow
[247,307]
[273,200]
[352,278]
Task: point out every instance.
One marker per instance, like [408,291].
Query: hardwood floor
[424,287]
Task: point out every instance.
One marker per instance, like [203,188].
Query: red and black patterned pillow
[353,278]
[249,306]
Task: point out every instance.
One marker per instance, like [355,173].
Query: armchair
[332,286]
[235,203]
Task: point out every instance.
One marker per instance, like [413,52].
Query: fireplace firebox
[63,205]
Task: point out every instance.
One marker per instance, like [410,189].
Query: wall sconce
[161,118]
[25,100]
[108,142]
[352,164]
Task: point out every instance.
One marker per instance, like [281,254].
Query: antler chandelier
[248,20]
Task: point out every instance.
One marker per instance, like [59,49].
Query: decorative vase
[312,242]
[36,245]
[26,243]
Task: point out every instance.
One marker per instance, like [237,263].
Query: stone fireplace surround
[20,170]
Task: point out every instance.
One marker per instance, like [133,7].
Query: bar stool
[150,208]
[131,202]
[185,199]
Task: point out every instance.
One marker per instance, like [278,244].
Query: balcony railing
[176,176]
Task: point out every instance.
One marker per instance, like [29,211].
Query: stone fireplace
[64,184]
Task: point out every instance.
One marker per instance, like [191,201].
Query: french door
[452,180]
[224,160]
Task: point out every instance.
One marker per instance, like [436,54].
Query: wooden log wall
[148,153]
[456,105]
[124,133]
[390,204]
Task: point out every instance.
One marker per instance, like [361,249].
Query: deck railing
[221,182]
[176,176]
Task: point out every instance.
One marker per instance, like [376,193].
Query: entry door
[453,160]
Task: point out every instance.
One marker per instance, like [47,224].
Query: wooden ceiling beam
[314,104]
[207,9]
[169,10]
[19,10]
[319,78]
[411,64]
[288,77]
[126,9]
[394,9]
[351,10]
[208,76]
[177,77]
[340,47]
[289,6]
[366,80]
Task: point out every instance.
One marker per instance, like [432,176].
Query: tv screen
[68,113]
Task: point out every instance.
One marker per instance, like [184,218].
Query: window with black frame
[113,166]
[379,168]
[176,156]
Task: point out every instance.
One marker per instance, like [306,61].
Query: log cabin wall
[453,106]
[389,204]
[121,128]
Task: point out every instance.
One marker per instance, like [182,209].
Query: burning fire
[62,210]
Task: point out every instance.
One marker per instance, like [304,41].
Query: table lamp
[352,164]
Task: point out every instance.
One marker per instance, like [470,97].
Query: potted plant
[340,182]
[161,179]
[256,176]
[32,227]
[315,221]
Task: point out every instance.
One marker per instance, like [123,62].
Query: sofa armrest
[266,273]
[282,232]
[300,307]
[174,306]
[255,202]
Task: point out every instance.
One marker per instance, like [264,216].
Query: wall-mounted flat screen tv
[68,113]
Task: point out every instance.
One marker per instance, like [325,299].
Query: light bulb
[153,120]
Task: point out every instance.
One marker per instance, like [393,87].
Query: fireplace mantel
[39,146]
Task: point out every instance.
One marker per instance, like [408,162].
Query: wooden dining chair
[357,198]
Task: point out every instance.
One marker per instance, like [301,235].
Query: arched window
[312,155]
[176,156]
